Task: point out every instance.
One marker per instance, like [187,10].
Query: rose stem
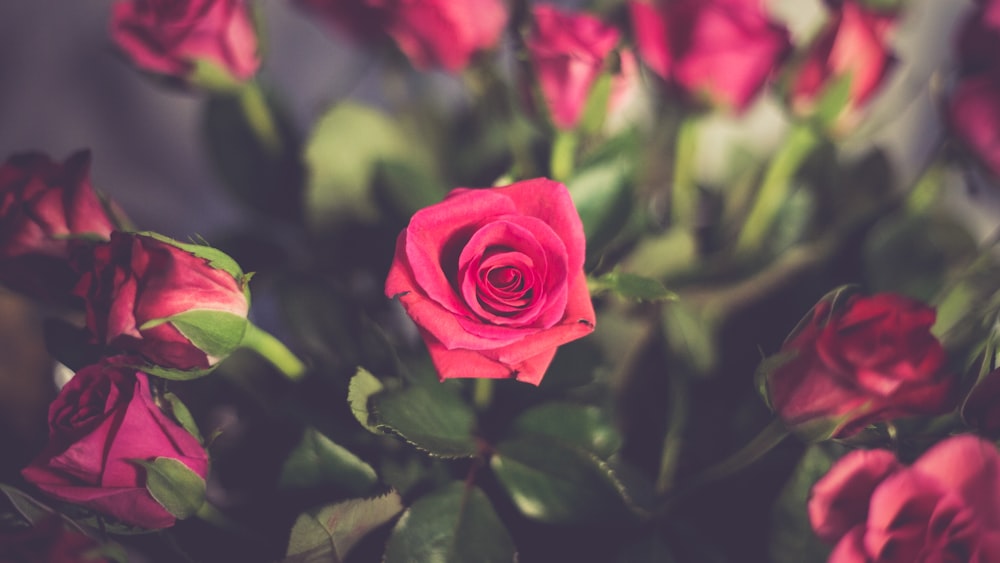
[482,393]
[260,118]
[274,351]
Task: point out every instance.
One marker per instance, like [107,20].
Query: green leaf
[216,333]
[27,506]
[341,155]
[631,286]
[318,461]
[362,386]
[691,336]
[405,187]
[791,538]
[579,426]
[429,417]
[328,534]
[555,483]
[455,524]
[649,549]
[182,415]
[174,485]
[602,195]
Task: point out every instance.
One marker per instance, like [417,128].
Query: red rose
[494,279]
[102,421]
[720,49]
[169,36]
[868,360]
[944,507]
[49,541]
[179,306]
[43,204]
[854,44]
[432,33]
[568,52]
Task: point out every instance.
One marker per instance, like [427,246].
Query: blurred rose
[178,306]
[853,44]
[169,36]
[432,33]
[49,541]
[870,359]
[945,507]
[103,420]
[43,205]
[981,409]
[722,50]
[494,279]
[568,52]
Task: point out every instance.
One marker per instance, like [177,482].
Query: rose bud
[568,52]
[853,46]
[181,308]
[494,279]
[431,33]
[722,51]
[101,425]
[49,541]
[944,507]
[45,207]
[173,37]
[857,362]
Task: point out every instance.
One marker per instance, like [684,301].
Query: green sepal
[216,333]
[174,485]
[213,77]
[182,415]
[318,461]
[454,524]
[215,258]
[329,533]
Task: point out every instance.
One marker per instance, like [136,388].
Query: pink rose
[49,541]
[169,36]
[853,43]
[432,33]
[103,420]
[568,52]
[179,306]
[945,507]
[43,206]
[723,50]
[867,360]
[494,279]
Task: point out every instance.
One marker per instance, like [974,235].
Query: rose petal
[839,501]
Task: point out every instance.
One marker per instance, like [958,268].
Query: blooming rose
[43,205]
[169,36]
[494,279]
[853,44]
[104,420]
[432,33]
[721,49]
[568,51]
[179,306]
[868,360]
[49,541]
[945,507]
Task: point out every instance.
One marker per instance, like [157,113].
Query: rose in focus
[494,279]
[944,507]
[45,207]
[104,420]
[853,46]
[170,37]
[720,50]
[431,33]
[866,360]
[180,307]
[568,52]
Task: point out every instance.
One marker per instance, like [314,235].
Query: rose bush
[170,36]
[431,33]
[853,45]
[944,507]
[180,307]
[870,359]
[104,420]
[49,541]
[494,279]
[568,52]
[44,205]
[722,50]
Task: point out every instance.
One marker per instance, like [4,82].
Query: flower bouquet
[611,281]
